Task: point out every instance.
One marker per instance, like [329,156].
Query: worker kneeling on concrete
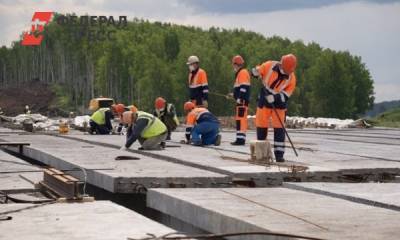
[167,114]
[146,128]
[202,127]
[118,111]
[100,121]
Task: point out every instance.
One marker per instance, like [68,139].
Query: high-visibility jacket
[154,126]
[241,87]
[198,86]
[99,116]
[196,116]
[276,83]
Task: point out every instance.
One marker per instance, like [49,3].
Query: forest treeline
[144,60]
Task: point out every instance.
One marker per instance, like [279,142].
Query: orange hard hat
[188,106]
[133,108]
[289,63]
[119,108]
[238,60]
[160,103]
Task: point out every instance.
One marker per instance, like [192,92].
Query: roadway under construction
[341,178]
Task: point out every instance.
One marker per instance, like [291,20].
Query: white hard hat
[192,59]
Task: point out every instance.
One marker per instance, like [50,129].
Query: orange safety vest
[194,115]
[269,76]
[199,80]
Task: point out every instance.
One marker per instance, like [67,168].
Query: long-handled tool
[284,129]
[221,95]
[229,98]
[281,122]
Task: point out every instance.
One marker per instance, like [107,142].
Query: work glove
[270,98]
[239,101]
[229,95]
[205,103]
[123,148]
[255,73]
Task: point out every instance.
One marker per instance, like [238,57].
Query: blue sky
[369,28]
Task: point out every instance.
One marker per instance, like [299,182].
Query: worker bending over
[146,128]
[100,121]
[202,127]
[279,83]
[167,114]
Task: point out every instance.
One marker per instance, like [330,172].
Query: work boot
[162,144]
[238,143]
[168,136]
[280,159]
[218,140]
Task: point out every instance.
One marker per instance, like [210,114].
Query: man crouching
[146,128]
[202,127]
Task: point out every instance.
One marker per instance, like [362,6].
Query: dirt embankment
[38,96]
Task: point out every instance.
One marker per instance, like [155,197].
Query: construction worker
[100,121]
[241,94]
[279,83]
[167,114]
[118,110]
[202,127]
[146,128]
[198,83]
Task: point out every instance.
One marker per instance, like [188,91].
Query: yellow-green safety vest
[99,116]
[154,126]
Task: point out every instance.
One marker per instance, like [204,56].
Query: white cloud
[365,29]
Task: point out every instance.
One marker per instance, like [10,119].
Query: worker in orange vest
[241,93]
[202,127]
[279,83]
[198,83]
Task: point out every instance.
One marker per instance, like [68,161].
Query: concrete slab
[67,221]
[13,171]
[386,195]
[327,159]
[9,131]
[125,176]
[278,210]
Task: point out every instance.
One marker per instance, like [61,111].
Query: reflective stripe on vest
[268,76]
[194,83]
[200,111]
[154,126]
[237,84]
